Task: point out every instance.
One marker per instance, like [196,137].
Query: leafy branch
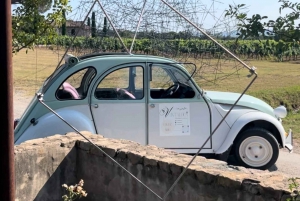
[294,188]
[29,24]
[283,28]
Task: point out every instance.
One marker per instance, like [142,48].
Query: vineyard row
[256,49]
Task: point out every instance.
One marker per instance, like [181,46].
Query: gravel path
[288,163]
[20,103]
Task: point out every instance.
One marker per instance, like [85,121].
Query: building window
[73,32]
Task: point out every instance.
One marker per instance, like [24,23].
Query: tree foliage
[245,49]
[64,26]
[44,5]
[89,21]
[105,26]
[283,28]
[29,23]
[94,24]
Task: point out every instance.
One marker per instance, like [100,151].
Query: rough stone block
[110,151]
[150,161]
[135,158]
[122,153]
[164,166]
[43,165]
[95,151]
[83,145]
[175,169]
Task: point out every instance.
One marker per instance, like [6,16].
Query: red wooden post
[7,190]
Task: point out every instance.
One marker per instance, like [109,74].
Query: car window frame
[115,68]
[81,83]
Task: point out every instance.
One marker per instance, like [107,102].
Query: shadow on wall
[41,170]
[65,173]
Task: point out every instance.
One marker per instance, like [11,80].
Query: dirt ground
[20,103]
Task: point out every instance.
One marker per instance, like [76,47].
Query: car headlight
[280,111]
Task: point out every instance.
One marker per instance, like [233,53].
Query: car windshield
[179,77]
[191,68]
[168,75]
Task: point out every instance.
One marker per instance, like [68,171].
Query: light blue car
[154,100]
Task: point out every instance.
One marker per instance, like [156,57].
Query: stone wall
[43,165]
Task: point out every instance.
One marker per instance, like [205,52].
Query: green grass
[30,70]
[277,82]
[289,97]
[292,121]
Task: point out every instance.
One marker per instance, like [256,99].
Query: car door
[178,119]
[118,103]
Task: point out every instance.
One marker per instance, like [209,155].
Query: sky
[264,7]
[268,8]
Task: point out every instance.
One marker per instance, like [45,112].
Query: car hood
[246,101]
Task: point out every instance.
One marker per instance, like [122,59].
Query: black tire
[256,148]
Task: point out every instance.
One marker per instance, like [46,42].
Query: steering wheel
[170,91]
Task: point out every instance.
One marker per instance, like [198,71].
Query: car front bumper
[289,141]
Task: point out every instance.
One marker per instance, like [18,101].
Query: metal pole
[7,190]
[138,26]
[113,26]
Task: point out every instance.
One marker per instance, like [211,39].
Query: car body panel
[246,101]
[187,132]
[82,122]
[245,119]
[129,123]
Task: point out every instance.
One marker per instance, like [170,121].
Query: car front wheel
[256,148]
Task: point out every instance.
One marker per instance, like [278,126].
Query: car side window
[126,83]
[75,87]
[167,82]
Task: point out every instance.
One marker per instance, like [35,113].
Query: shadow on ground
[232,161]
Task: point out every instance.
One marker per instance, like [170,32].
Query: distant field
[31,69]
[277,82]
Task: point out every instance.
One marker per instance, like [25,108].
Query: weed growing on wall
[74,192]
[294,188]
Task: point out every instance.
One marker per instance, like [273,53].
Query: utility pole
[7,190]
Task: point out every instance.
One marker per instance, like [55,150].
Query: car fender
[49,124]
[245,119]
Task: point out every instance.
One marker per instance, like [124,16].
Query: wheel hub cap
[256,151]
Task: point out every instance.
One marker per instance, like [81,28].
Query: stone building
[72,27]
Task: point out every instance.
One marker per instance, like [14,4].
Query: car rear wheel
[256,148]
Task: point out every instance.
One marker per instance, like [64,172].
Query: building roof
[76,24]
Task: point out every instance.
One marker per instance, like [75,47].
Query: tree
[29,24]
[105,26]
[282,28]
[89,21]
[43,6]
[93,24]
[64,27]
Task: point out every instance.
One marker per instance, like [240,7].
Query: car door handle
[95,105]
[152,105]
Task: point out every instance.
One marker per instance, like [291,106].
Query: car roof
[83,57]
[120,55]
